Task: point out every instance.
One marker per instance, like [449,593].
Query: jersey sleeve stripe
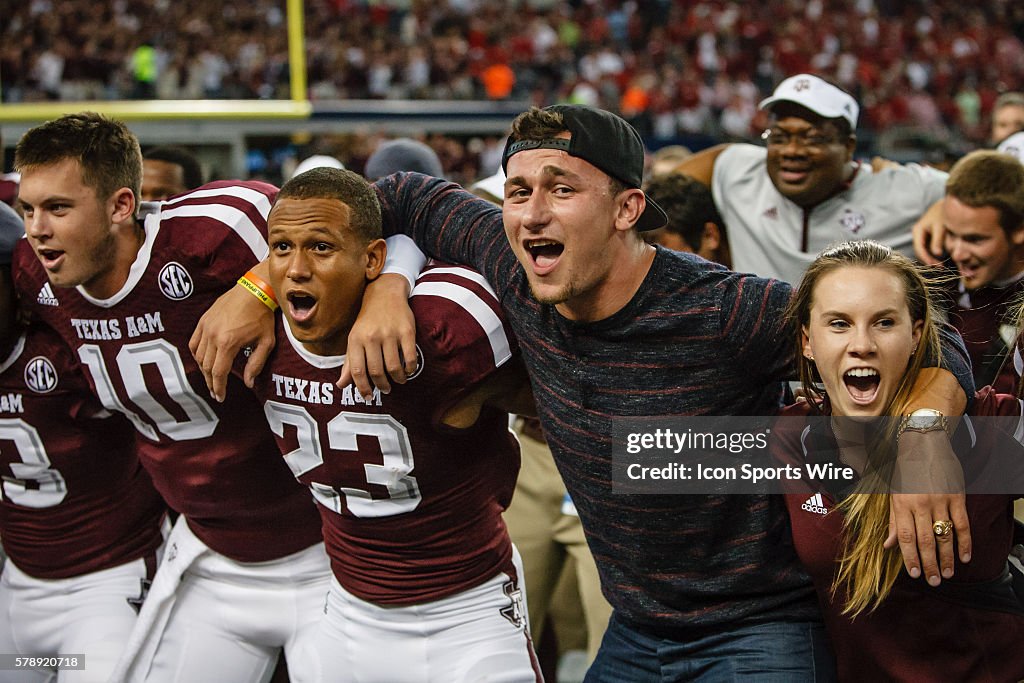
[466,273]
[259,200]
[229,216]
[476,307]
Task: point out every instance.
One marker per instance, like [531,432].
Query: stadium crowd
[671,67]
[576,281]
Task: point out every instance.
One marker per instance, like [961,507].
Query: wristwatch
[923,420]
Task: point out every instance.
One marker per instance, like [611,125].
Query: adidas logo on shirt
[46,297]
[815,504]
[771,214]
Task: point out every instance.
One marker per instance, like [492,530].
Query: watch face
[923,421]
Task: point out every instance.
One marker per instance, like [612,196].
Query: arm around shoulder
[701,166]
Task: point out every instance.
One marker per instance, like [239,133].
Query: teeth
[543,243]
[862,372]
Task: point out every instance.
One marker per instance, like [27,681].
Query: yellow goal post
[297,107]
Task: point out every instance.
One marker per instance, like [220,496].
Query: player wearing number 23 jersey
[389,478]
[411,508]
[410,484]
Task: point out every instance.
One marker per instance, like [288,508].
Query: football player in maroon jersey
[411,484]
[79,517]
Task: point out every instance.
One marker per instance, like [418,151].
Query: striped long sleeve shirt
[695,339]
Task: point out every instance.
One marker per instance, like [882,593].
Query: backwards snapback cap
[604,140]
[816,94]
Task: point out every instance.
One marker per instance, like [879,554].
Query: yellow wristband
[258,292]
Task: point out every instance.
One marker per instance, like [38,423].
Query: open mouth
[300,306]
[544,253]
[967,271]
[862,384]
[793,175]
[50,258]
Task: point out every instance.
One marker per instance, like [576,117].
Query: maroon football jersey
[411,509]
[216,463]
[73,497]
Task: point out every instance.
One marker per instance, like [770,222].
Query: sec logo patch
[175,282]
[40,375]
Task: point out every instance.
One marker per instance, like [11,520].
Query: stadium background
[252,88]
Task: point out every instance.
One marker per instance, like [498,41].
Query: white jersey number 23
[393,472]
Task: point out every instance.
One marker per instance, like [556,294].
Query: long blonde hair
[867,571]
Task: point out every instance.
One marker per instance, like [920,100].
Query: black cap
[604,140]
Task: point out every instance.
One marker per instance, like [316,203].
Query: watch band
[932,421]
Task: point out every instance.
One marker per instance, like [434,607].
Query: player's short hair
[345,186]
[989,178]
[108,152]
[687,202]
[1009,99]
[191,170]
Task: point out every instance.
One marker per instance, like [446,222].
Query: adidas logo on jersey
[815,504]
[46,297]
[771,214]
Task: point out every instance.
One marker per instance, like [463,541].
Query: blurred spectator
[168,171]
[1007,116]
[144,72]
[403,154]
[491,188]
[693,222]
[317,161]
[666,159]
[9,187]
[498,80]
[984,219]
[683,63]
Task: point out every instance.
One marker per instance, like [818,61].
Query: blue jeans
[774,652]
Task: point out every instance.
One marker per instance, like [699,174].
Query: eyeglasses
[809,140]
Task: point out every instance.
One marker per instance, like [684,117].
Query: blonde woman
[866,325]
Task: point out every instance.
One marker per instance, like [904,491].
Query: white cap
[1014,146]
[818,95]
[493,185]
[317,161]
